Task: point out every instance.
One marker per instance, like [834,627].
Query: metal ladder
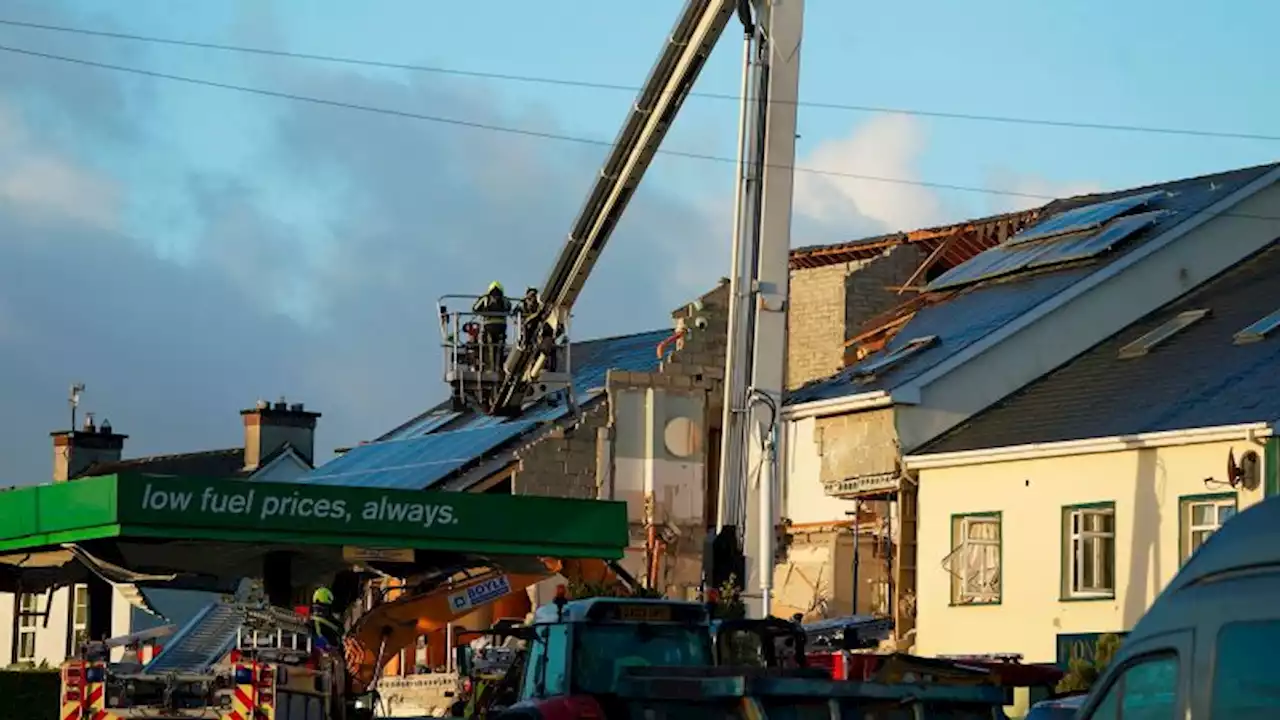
[202,642]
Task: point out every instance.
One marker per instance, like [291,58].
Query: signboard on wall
[1079,646]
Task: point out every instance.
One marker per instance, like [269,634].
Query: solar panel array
[415,463]
[1084,218]
[418,454]
[1014,257]
[423,425]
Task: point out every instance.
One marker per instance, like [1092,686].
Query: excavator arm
[386,630]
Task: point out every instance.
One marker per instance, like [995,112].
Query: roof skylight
[1259,330]
[912,347]
[1144,344]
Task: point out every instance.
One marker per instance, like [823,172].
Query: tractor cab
[769,643]
[585,647]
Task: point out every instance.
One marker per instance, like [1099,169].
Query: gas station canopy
[207,534]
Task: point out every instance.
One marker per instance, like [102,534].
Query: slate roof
[964,316]
[440,443]
[207,464]
[1196,378]
[228,463]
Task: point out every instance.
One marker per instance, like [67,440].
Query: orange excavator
[384,631]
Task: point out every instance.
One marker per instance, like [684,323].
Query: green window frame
[1089,551]
[976,560]
[1199,516]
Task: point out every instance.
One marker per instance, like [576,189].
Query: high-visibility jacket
[325,627]
[477,692]
[498,308]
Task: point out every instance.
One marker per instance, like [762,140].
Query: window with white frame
[79,626]
[974,560]
[1201,517]
[1089,549]
[28,621]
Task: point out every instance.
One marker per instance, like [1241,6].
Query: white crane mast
[755,362]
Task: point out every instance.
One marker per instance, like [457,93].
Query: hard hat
[495,285]
[322,596]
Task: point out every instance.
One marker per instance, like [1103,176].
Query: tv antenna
[73,399]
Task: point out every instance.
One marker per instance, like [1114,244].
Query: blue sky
[211,221]
[1161,64]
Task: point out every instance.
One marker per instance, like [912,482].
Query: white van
[1207,648]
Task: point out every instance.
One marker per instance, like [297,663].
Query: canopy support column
[277,578]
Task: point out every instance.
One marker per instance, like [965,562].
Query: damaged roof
[1198,376]
[441,443]
[954,313]
[953,244]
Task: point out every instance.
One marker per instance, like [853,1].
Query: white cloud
[1028,191]
[39,183]
[886,146]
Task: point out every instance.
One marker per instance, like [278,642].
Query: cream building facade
[1088,269]
[1063,511]
[1037,550]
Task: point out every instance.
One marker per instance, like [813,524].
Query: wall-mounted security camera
[700,322]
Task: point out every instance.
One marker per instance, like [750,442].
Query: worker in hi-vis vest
[324,624]
[494,308]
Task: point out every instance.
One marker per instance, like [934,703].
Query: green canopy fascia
[154,508]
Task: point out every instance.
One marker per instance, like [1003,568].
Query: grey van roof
[1250,539]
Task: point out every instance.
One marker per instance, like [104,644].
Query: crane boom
[500,380]
[699,26]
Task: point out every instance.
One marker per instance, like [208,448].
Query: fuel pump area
[452,553]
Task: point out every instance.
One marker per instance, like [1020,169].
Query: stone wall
[563,461]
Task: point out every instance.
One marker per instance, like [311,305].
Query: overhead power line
[525,132]
[565,82]
[457,122]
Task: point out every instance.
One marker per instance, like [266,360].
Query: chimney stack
[74,451]
[268,427]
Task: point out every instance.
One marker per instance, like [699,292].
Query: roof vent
[1144,344]
[1259,330]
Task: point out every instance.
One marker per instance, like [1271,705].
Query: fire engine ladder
[275,635]
[695,33]
[202,642]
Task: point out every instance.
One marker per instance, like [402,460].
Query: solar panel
[993,262]
[423,425]
[1010,258]
[1096,243]
[415,463]
[1258,330]
[1083,218]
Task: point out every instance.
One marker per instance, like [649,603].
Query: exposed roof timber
[963,241]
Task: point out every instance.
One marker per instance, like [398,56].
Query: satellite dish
[1247,473]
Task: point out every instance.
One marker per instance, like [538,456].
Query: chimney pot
[270,426]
